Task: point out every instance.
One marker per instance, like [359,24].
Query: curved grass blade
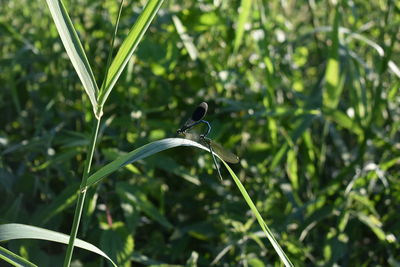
[74,48]
[140,153]
[128,47]
[13,231]
[260,220]
[14,259]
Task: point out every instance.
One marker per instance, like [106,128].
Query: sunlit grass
[306,94]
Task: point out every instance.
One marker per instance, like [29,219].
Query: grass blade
[245,8]
[128,47]
[140,153]
[186,39]
[158,146]
[334,83]
[74,48]
[13,231]
[112,43]
[14,259]
[260,220]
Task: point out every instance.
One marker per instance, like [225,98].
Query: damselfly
[196,118]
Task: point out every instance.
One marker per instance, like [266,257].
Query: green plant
[98,99]
[304,92]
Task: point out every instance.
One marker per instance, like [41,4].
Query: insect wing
[217,148]
[200,112]
[197,115]
[223,153]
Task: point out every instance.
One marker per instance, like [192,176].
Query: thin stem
[112,47]
[82,194]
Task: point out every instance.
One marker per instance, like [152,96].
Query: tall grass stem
[82,195]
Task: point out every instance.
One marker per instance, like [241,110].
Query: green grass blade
[140,153]
[112,43]
[74,48]
[13,231]
[292,169]
[341,119]
[158,146]
[14,259]
[357,36]
[128,47]
[260,220]
[245,8]
[186,39]
[334,85]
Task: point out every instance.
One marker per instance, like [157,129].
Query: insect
[196,118]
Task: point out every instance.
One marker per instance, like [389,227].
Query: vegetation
[306,93]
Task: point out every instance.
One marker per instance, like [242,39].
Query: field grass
[306,93]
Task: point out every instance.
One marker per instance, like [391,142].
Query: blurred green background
[306,93]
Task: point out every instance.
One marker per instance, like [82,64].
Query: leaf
[128,47]
[140,153]
[74,48]
[292,169]
[14,259]
[334,83]
[118,241]
[373,223]
[13,231]
[260,220]
[186,39]
[244,12]
[344,121]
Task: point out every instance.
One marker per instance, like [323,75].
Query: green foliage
[305,93]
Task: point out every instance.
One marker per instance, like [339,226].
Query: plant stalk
[82,194]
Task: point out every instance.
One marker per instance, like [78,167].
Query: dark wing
[200,111]
[197,115]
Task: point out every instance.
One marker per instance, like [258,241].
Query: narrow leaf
[74,48]
[260,220]
[128,47]
[244,12]
[334,85]
[140,153]
[13,231]
[14,259]
[186,39]
[292,169]
[112,43]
